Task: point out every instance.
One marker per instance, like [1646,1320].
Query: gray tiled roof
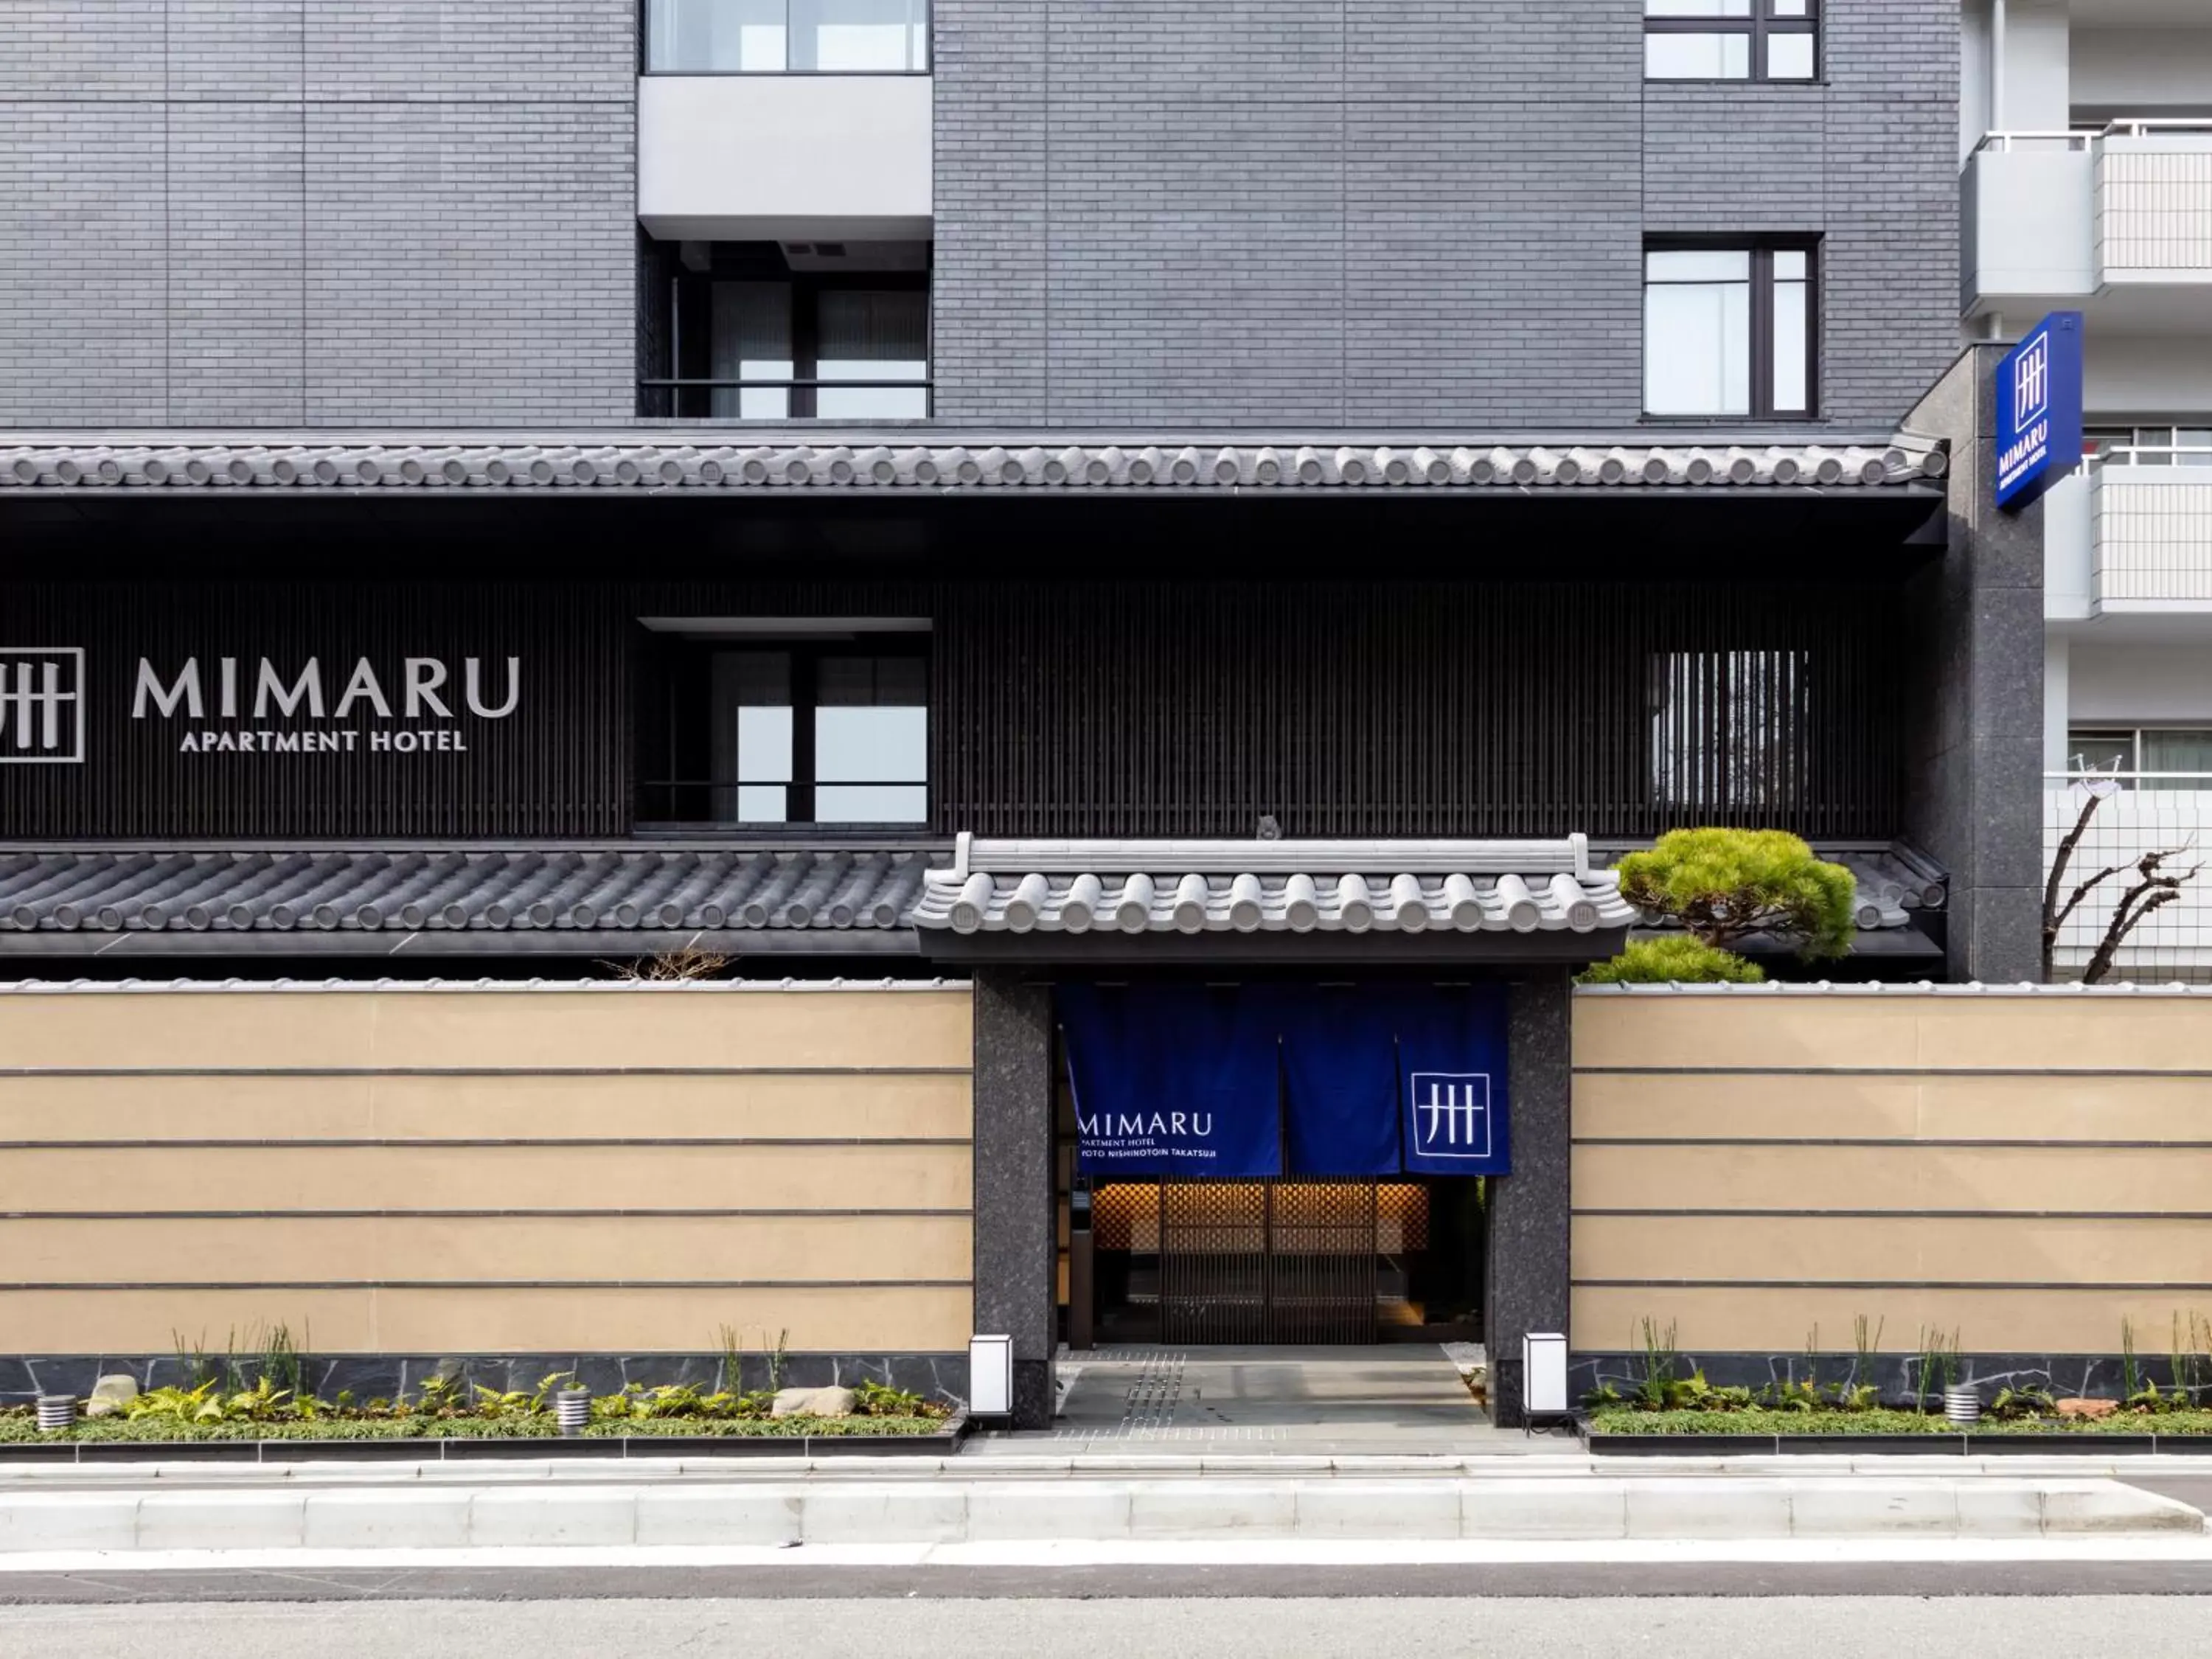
[861,463]
[1286,886]
[598,891]
[1889,889]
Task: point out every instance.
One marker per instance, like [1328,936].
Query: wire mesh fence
[2136,813]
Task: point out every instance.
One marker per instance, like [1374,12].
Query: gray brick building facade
[1354,213]
[1306,213]
[273,213]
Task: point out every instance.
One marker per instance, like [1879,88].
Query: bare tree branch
[2155,888]
[2054,918]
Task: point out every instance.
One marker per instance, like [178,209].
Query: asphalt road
[1221,1628]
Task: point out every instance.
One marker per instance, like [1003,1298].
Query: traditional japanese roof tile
[1262,886]
[591,891]
[659,461]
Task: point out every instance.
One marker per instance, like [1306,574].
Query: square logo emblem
[2031,386]
[1451,1114]
[41,705]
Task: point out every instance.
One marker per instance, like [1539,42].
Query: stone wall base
[2070,1375]
[939,1376]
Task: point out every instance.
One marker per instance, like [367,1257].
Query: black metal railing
[716,801]
[682,397]
[786,37]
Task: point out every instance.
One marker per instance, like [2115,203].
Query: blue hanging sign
[2038,393]
[1173,1080]
[1452,1084]
[1340,1078]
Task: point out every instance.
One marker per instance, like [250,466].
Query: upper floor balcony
[2121,215]
[2132,533]
[772,119]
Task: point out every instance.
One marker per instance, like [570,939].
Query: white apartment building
[2086,135]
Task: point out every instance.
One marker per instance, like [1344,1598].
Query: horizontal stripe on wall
[881,1104]
[167,1071]
[2130,1287]
[566,1141]
[1810,1248]
[442,1215]
[1927,1215]
[1999,1036]
[1890,1178]
[679,1176]
[489,1284]
[1794,1071]
[540,1030]
[302,1248]
[634,1319]
[1950,1107]
[1859,1140]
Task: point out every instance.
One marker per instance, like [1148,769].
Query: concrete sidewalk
[1394,1398]
[335,1514]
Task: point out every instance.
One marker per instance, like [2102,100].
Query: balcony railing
[2054,213]
[2150,510]
[892,398]
[786,37]
[2141,813]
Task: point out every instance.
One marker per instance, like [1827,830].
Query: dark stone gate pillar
[1527,1266]
[1015,1254]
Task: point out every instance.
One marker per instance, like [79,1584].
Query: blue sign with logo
[2040,409]
[1243,1081]
[1452,1082]
[1179,1080]
[1451,1116]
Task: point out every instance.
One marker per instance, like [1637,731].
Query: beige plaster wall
[451,1171]
[2026,1171]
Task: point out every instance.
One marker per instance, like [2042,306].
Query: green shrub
[1675,958]
[1723,885]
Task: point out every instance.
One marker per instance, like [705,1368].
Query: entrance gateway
[1312,1159]
[1326,1015]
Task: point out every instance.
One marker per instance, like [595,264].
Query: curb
[932,1512]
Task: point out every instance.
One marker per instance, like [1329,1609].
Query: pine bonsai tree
[1721,886]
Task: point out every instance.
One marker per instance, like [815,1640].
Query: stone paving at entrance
[1407,1398]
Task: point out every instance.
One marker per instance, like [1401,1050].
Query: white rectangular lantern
[991,1375]
[1544,1373]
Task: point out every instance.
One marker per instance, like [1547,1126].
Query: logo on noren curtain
[1451,1114]
[2031,386]
[41,705]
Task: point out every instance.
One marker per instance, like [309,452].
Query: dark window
[1730,329]
[786,37]
[785,331]
[784,732]
[1731,39]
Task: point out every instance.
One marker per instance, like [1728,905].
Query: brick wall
[273,212]
[1385,212]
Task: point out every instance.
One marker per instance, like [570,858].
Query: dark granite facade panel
[942,1376]
[1530,1209]
[1974,763]
[1015,1251]
[2074,1376]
